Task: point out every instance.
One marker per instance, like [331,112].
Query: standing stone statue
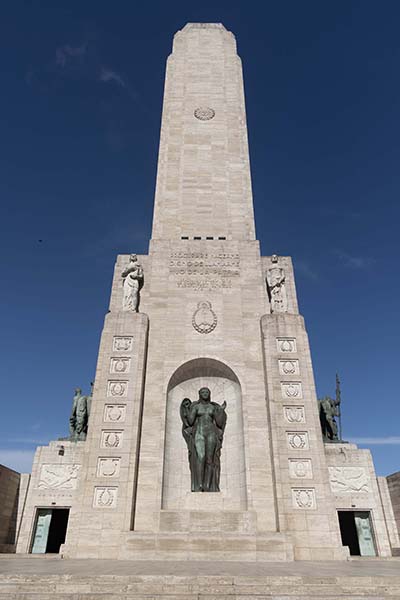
[203,425]
[277,290]
[328,410]
[132,281]
[78,421]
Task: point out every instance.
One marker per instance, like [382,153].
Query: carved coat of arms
[204,319]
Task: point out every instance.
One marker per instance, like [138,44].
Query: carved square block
[117,389]
[105,497]
[298,440]
[114,413]
[111,438]
[286,345]
[300,468]
[304,498]
[120,364]
[289,367]
[123,343]
[349,480]
[108,467]
[291,389]
[294,414]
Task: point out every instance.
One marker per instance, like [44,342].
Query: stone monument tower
[204,439]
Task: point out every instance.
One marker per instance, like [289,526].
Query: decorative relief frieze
[300,468]
[105,497]
[286,345]
[108,467]
[298,440]
[122,343]
[294,414]
[60,477]
[290,389]
[349,480]
[117,389]
[115,413]
[111,439]
[120,364]
[289,367]
[303,498]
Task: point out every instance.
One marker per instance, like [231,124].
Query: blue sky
[80,112]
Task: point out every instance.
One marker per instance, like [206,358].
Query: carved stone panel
[303,498]
[298,440]
[294,414]
[349,480]
[289,367]
[300,468]
[111,439]
[120,364]
[114,413]
[117,389]
[291,389]
[108,467]
[59,477]
[122,343]
[286,345]
[105,497]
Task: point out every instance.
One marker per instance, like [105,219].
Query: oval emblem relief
[204,319]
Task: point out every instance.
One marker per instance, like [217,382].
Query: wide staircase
[55,579]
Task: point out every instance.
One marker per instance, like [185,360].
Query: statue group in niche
[78,421]
[277,290]
[203,426]
[132,280]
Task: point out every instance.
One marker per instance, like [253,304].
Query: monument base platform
[55,579]
[189,546]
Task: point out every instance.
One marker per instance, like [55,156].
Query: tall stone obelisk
[213,313]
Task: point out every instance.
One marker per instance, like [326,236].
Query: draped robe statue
[203,425]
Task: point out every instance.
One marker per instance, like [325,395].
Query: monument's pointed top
[203,26]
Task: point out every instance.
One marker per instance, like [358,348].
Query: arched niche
[224,385]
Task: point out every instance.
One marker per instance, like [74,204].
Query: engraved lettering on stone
[108,467]
[122,344]
[289,367]
[291,390]
[349,480]
[114,413]
[120,365]
[196,269]
[277,290]
[303,498]
[204,319]
[105,497]
[286,345]
[61,477]
[204,113]
[294,414]
[298,440]
[117,388]
[300,468]
[111,439]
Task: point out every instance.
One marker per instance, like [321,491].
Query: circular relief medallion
[204,113]
[204,319]
[106,498]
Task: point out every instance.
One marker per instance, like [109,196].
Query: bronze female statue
[203,425]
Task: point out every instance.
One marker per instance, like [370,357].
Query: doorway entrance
[356,531]
[50,530]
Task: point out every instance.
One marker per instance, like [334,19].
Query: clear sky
[80,112]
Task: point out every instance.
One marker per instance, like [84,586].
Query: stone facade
[9,494]
[215,313]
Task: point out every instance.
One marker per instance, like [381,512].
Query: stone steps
[169,587]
